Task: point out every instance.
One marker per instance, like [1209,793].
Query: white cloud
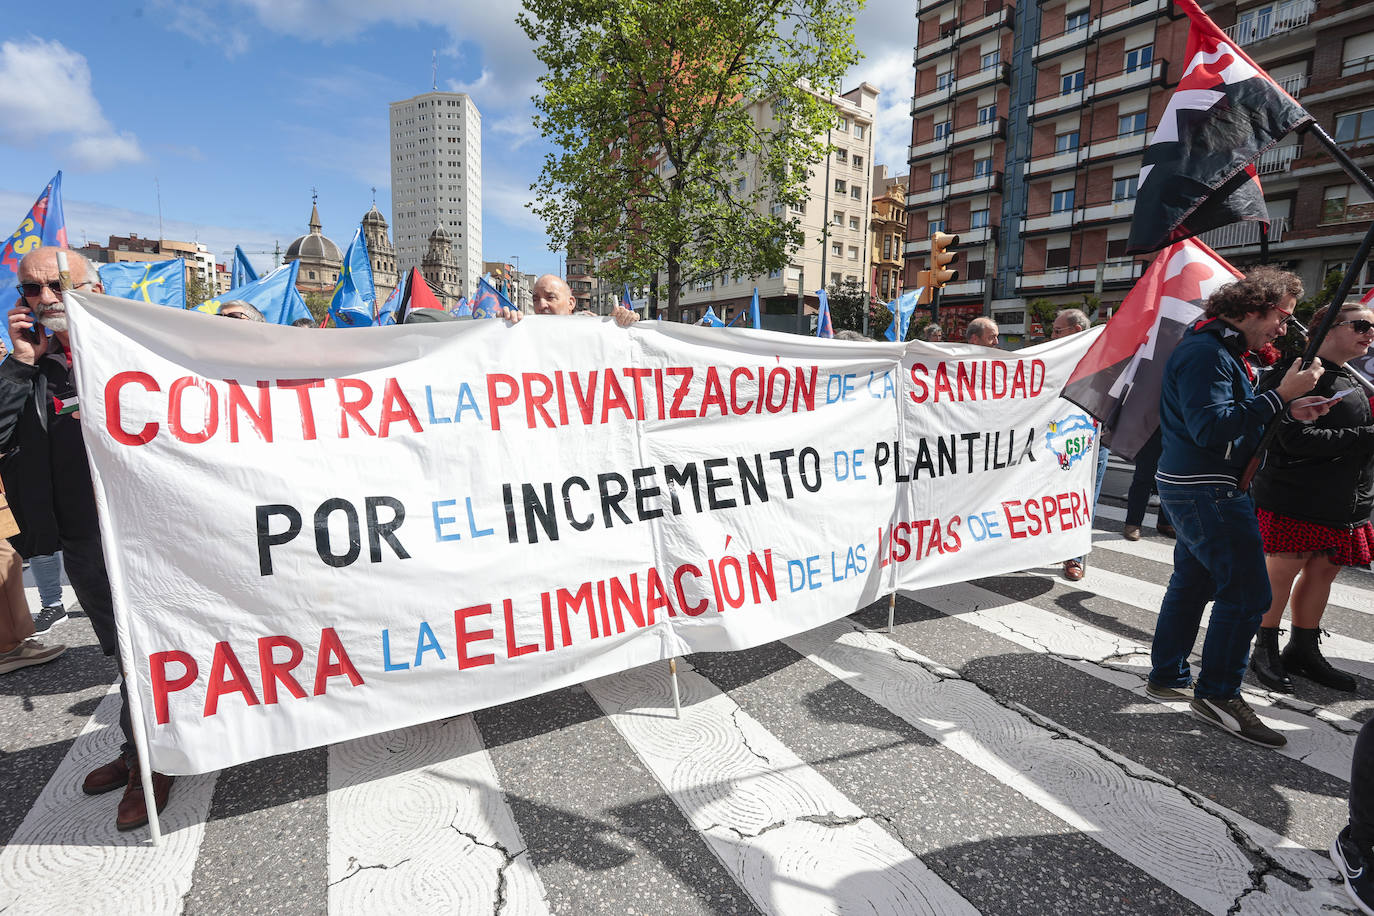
[504,201]
[48,96]
[885,30]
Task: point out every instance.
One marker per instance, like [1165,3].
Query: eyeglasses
[239,315]
[33,290]
[1360,325]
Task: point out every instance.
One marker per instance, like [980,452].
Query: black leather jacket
[1323,471]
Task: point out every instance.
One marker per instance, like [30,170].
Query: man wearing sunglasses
[1211,422]
[47,474]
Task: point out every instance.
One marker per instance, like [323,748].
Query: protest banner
[317,536]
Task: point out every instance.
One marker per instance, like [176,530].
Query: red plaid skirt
[1346,546]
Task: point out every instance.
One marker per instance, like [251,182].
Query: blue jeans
[1218,557]
[47,575]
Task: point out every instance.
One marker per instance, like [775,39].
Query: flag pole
[1314,340]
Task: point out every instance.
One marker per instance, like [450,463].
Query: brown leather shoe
[1130,532]
[1166,530]
[1073,570]
[113,775]
[133,808]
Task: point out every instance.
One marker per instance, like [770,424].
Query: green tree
[1043,311]
[656,107]
[848,301]
[318,303]
[198,291]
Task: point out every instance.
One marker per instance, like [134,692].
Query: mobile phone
[1335,397]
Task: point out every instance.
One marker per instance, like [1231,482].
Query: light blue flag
[354,302]
[386,315]
[488,299]
[44,225]
[274,294]
[710,319]
[158,282]
[242,273]
[462,309]
[823,326]
[903,307]
[755,319]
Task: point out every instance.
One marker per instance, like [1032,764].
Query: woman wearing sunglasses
[1313,497]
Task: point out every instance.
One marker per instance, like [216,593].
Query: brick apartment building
[1029,121]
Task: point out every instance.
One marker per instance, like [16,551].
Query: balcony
[1278,159]
[1115,19]
[956,32]
[1055,162]
[1100,87]
[927,6]
[998,18]
[1049,222]
[982,184]
[968,238]
[1109,212]
[962,288]
[1064,41]
[1294,85]
[928,197]
[996,73]
[931,99]
[1117,146]
[1271,22]
[986,131]
[1054,276]
[1245,234]
[1116,271]
[942,45]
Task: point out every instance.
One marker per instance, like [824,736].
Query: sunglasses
[1360,325]
[33,290]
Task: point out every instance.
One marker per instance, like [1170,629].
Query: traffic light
[924,284]
[942,269]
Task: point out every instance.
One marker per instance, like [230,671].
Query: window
[858,162]
[842,155]
[943,130]
[977,219]
[1061,201]
[1346,203]
[853,222]
[739,186]
[775,273]
[1131,124]
[944,80]
[982,167]
[1139,57]
[838,218]
[1358,54]
[1063,143]
[1355,127]
[858,131]
[836,249]
[1056,258]
[843,126]
[856,192]
[1071,82]
[1124,188]
[887,247]
[776,209]
[1076,20]
[853,253]
[936,225]
[840,185]
[992,60]
[938,180]
[835,279]
[987,114]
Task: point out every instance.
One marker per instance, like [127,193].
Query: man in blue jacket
[1211,423]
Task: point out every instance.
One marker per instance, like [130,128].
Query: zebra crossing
[994,753]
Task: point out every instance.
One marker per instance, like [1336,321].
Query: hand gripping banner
[313,536]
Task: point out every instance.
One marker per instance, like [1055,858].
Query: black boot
[1303,656]
[1266,662]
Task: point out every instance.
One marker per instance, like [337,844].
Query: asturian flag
[1119,379]
[903,307]
[44,225]
[158,282]
[242,273]
[710,319]
[824,328]
[274,294]
[354,303]
[488,300]
[1199,169]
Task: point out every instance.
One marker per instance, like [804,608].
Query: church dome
[374,217]
[439,235]
[314,246]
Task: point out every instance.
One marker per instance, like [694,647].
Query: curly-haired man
[1211,423]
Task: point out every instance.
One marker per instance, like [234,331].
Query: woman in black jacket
[1313,498]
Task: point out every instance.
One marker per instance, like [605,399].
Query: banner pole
[677,697]
[891,609]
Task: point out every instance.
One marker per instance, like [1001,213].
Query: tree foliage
[318,303]
[197,290]
[848,301]
[655,108]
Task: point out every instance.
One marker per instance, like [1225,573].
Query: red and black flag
[1199,169]
[1119,379]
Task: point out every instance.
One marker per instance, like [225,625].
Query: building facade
[441,268]
[321,260]
[199,261]
[887,236]
[380,254]
[436,180]
[834,222]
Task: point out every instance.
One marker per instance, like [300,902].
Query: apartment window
[977,219]
[938,180]
[1355,127]
[843,126]
[1358,54]
[853,253]
[835,279]
[775,273]
[840,185]
[944,80]
[836,249]
[1131,124]
[943,129]
[776,209]
[1071,82]
[858,162]
[858,131]
[936,225]
[1346,203]
[838,218]
[856,192]
[739,186]
[853,222]
[1137,58]
[982,167]
[1064,143]
[1076,20]
[1056,258]
[987,114]
[992,59]
[887,247]
[842,155]
[1061,201]
[1124,188]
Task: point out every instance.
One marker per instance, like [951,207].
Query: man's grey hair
[246,307]
[847,334]
[980,327]
[1076,316]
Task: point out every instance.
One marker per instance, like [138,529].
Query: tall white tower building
[436,180]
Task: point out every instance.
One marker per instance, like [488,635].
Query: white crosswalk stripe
[424,819]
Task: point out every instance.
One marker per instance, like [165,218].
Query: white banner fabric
[314,536]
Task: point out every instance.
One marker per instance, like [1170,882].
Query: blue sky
[237,108]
